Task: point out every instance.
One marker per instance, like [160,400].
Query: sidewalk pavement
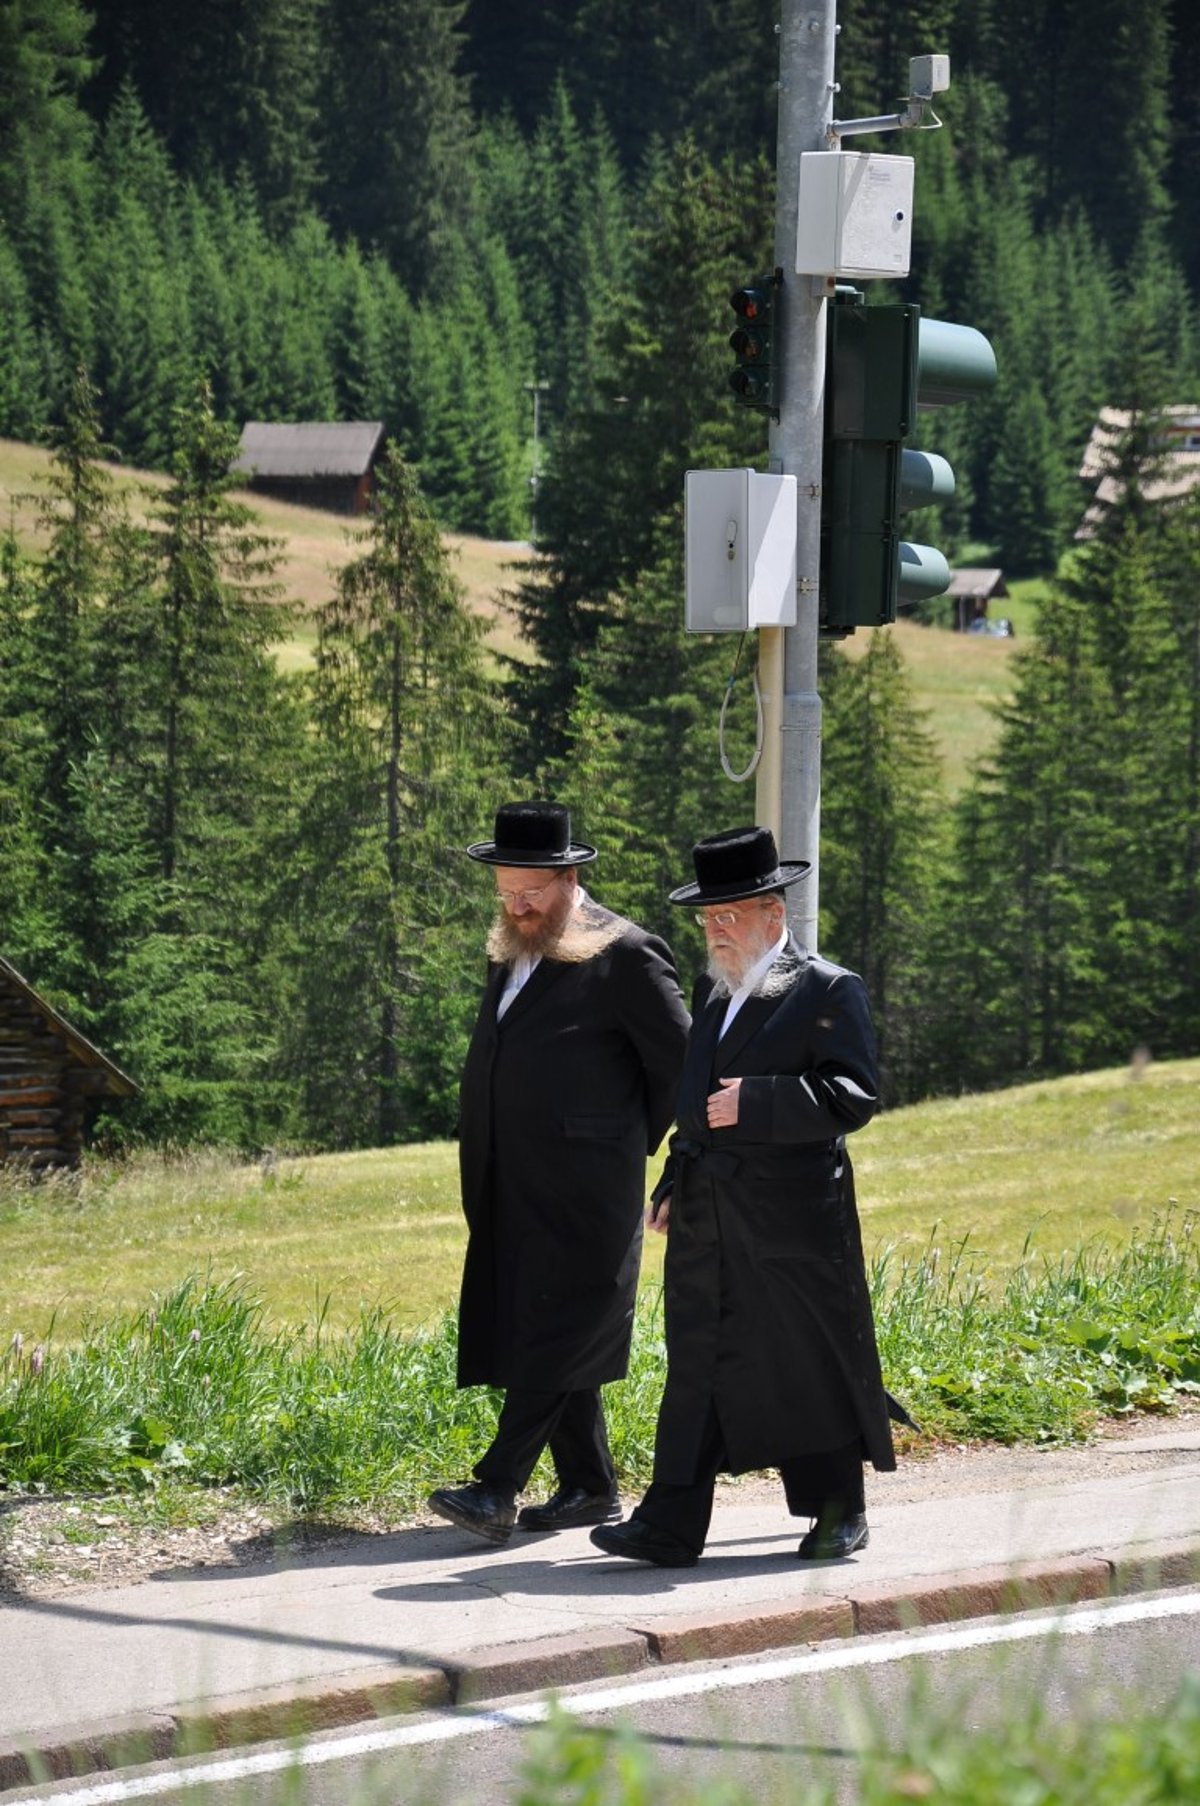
[431,1617]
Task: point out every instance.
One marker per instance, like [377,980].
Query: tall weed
[199,1387]
[1032,1758]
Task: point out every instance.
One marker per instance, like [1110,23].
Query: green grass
[287,1332]
[199,1387]
[1072,1160]
[958,678]
[1021,604]
[374,1228]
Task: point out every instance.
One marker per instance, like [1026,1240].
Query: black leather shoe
[642,1542]
[568,1508]
[477,1508]
[834,1542]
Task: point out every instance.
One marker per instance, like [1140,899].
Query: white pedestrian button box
[855,215]
[739,550]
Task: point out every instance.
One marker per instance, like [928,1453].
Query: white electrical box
[739,550]
[855,215]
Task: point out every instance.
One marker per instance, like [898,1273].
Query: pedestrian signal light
[752,341]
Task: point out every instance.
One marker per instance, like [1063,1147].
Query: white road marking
[873,1654]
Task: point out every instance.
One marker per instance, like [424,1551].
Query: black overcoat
[768,1315]
[561,1102]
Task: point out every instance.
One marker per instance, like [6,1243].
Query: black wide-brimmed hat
[535,834]
[741,863]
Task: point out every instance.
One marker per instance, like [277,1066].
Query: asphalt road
[763,1725]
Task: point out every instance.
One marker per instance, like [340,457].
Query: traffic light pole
[788,792]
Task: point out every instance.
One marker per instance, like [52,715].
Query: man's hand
[658,1215]
[723,1104]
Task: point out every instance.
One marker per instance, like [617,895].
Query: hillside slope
[1102,1155]
[956,677]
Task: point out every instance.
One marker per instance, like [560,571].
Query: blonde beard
[583,934]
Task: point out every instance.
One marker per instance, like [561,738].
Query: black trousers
[827,1483]
[572,1423]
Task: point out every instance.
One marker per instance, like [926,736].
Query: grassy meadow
[314,545]
[284,1331]
[1064,1163]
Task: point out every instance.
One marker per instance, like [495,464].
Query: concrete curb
[501,1670]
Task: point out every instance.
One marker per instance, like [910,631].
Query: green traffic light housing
[754,380]
[882,364]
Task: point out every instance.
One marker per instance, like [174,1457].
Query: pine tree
[660,402]
[203,741]
[403,713]
[303,277]
[77,511]
[882,849]
[22,927]
[22,392]
[642,767]
[230,87]
[468,399]
[397,130]
[1021,927]
[561,206]
[44,63]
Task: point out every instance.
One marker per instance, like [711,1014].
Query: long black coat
[561,1103]
[768,1315]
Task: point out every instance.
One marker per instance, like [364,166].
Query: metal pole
[537,390]
[788,797]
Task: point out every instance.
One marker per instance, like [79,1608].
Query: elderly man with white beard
[771,1354]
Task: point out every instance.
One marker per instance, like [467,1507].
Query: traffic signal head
[881,364]
[754,380]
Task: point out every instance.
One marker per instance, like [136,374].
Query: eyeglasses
[719,918]
[510,898]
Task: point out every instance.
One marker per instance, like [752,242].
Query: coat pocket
[593,1128]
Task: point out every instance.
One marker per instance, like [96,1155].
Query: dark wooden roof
[309,448]
[977,583]
[119,1083]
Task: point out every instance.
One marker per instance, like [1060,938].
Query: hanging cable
[739,777]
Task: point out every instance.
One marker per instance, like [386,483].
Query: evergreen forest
[247,885]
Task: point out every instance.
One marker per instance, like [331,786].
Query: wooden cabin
[52,1080]
[1178,475]
[317,463]
[972,589]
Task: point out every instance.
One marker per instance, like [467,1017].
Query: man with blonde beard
[771,1357]
[569,1084]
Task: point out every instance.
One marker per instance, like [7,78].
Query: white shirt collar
[754,978]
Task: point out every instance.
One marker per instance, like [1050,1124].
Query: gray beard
[584,935]
[775,981]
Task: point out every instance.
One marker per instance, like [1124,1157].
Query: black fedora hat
[535,834]
[741,863]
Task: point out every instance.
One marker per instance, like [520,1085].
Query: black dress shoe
[637,1541]
[477,1508]
[568,1508]
[834,1542]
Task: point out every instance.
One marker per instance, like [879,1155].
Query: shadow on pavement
[242,1633]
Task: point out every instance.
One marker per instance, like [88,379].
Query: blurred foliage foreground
[1032,1758]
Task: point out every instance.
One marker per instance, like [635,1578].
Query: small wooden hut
[971,590]
[317,463]
[52,1080]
